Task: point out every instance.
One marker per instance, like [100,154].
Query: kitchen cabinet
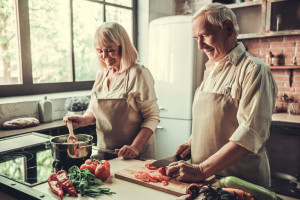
[169,134]
[260,18]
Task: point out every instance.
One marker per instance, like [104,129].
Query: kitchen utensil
[60,146]
[166,161]
[175,187]
[71,138]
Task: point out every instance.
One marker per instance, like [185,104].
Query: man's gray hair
[217,14]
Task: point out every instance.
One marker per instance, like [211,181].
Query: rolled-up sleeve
[255,109]
[146,100]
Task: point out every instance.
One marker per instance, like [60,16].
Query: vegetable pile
[86,183]
[86,180]
[101,169]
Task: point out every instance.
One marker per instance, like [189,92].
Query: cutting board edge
[152,186]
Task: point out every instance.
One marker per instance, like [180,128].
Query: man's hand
[128,152]
[184,150]
[185,172]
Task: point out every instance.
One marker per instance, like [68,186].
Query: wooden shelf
[244,4]
[285,67]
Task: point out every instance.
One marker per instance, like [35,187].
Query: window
[47,46]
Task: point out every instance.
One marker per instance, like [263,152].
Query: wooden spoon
[71,139]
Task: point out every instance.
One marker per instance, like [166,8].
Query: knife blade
[166,161]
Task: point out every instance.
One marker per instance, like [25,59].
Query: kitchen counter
[286,119]
[124,190]
[277,118]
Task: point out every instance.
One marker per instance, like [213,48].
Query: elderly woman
[123,102]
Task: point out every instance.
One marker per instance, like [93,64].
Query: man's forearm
[228,155]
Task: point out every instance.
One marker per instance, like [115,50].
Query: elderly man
[232,108]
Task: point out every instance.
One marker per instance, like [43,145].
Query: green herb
[86,183]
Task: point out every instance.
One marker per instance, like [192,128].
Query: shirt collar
[233,57]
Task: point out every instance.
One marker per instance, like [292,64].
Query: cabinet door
[170,134]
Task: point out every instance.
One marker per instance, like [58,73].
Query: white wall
[149,10]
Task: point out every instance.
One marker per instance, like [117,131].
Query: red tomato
[90,165]
[162,170]
[165,183]
[103,170]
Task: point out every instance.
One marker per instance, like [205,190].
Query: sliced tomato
[138,175]
[165,183]
[149,166]
[144,177]
[157,177]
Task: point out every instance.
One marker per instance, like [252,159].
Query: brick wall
[284,45]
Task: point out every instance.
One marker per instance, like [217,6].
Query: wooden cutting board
[175,187]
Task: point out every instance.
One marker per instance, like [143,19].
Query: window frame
[28,87]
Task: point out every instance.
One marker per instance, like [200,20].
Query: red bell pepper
[103,170]
[66,184]
[55,185]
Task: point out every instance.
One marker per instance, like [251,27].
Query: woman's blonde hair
[217,14]
[113,33]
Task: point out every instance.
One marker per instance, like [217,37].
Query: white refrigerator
[177,67]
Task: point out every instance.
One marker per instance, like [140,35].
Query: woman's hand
[184,150]
[186,172]
[77,120]
[128,152]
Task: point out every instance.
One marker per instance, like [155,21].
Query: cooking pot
[62,150]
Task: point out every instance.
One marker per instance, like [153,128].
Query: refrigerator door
[172,58]
[169,134]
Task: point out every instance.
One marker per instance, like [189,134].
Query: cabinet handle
[159,127]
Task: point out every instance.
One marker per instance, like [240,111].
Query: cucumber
[258,192]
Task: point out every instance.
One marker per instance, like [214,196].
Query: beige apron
[214,121]
[117,124]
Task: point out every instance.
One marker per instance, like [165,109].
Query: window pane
[127,3]
[9,60]
[121,16]
[87,16]
[50,40]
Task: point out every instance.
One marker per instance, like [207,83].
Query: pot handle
[84,146]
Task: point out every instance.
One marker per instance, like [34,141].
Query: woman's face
[110,55]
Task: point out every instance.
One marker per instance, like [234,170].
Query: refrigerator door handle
[159,127]
[161,108]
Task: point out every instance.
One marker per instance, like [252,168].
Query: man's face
[212,40]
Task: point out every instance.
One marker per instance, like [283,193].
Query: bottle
[269,58]
[278,22]
[45,110]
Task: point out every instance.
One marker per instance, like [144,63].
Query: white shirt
[253,87]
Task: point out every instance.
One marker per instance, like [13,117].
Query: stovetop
[27,159]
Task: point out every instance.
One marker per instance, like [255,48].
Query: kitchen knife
[166,161]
